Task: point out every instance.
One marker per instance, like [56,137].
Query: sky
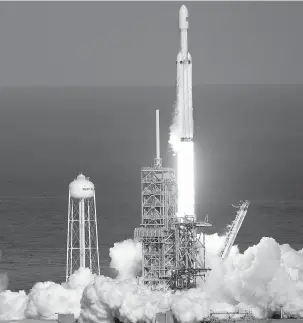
[136,43]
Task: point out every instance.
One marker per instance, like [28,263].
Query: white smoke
[130,302]
[261,279]
[46,299]
[126,258]
[252,281]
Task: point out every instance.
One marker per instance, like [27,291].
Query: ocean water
[248,146]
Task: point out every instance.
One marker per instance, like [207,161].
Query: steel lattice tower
[190,252]
[158,209]
[156,234]
[173,252]
[82,234]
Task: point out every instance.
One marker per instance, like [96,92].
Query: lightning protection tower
[156,233]
[82,233]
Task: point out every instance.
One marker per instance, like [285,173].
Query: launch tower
[82,234]
[190,252]
[173,251]
[158,209]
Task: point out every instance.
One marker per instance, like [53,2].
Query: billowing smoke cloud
[126,258]
[126,300]
[261,279]
[252,281]
[46,299]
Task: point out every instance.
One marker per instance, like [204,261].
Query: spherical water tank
[81,188]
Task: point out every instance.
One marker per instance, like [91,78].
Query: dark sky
[136,43]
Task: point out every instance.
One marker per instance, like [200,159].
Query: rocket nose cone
[183,17]
[183,9]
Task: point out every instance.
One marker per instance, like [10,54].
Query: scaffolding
[156,234]
[190,252]
[158,203]
[173,251]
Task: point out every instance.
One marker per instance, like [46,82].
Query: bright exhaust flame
[185,179]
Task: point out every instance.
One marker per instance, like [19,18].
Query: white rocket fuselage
[184,81]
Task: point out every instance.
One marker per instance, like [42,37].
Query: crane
[234,229]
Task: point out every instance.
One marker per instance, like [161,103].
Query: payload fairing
[184,81]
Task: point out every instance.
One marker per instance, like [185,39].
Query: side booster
[184,81]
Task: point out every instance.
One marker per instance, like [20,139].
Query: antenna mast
[158,159]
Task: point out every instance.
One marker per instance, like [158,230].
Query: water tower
[82,234]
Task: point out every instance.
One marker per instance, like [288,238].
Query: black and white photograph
[151,161]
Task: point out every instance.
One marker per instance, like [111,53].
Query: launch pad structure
[173,249]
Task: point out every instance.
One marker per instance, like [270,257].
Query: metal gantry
[156,234]
[173,251]
[234,229]
[190,252]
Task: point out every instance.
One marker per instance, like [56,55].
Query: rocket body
[185,126]
[184,81]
